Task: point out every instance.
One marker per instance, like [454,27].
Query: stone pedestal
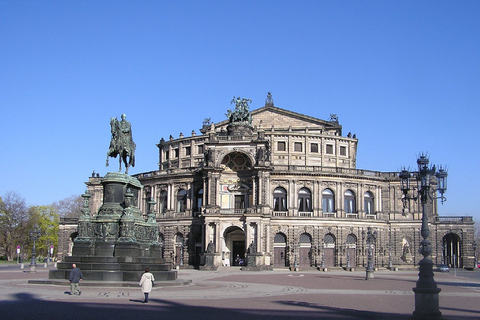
[426,293]
[116,243]
[83,248]
[209,262]
[255,262]
[104,248]
[369,274]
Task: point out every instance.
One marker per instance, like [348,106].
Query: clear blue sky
[404,76]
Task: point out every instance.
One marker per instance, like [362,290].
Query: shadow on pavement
[26,306]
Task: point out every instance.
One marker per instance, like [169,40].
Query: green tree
[13,223]
[46,218]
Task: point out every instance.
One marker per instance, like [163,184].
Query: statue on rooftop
[241,112]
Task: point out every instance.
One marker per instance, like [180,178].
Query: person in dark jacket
[75,278]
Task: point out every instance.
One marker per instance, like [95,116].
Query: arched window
[280,238]
[350,202]
[369,208]
[305,238]
[304,200]
[163,202]
[181,200]
[351,239]
[328,201]
[279,199]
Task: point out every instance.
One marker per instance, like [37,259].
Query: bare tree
[13,223]
[69,207]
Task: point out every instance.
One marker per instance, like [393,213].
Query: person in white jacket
[146,282]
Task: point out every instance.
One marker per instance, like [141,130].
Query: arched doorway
[279,250]
[179,249]
[351,250]
[198,249]
[305,252]
[234,247]
[452,250]
[161,242]
[329,250]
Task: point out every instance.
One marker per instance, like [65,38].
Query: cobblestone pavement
[234,294]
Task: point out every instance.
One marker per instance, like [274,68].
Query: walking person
[146,282]
[75,278]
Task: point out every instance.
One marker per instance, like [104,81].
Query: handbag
[153,283]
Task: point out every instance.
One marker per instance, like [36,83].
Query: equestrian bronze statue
[122,143]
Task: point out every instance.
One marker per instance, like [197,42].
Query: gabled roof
[269,116]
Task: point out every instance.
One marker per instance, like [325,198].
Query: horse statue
[121,143]
[241,112]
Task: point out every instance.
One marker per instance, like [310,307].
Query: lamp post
[48,252]
[426,291]
[34,235]
[369,271]
[323,259]
[474,245]
[295,253]
[390,260]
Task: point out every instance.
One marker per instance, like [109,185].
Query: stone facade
[283,191]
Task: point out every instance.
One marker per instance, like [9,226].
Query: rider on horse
[122,143]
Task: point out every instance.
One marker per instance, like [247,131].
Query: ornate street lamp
[323,258]
[390,260]
[426,291]
[295,252]
[34,235]
[369,271]
[474,245]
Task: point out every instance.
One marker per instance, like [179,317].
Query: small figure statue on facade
[210,247]
[269,100]
[333,117]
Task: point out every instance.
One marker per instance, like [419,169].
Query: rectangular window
[167,155]
[281,146]
[297,147]
[343,151]
[327,204]
[329,149]
[239,202]
[200,149]
[187,151]
[176,152]
[314,148]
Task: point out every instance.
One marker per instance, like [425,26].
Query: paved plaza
[233,294]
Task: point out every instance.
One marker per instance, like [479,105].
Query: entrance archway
[351,250]
[329,250]
[305,252]
[234,248]
[279,250]
[161,242]
[452,250]
[198,249]
[179,250]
